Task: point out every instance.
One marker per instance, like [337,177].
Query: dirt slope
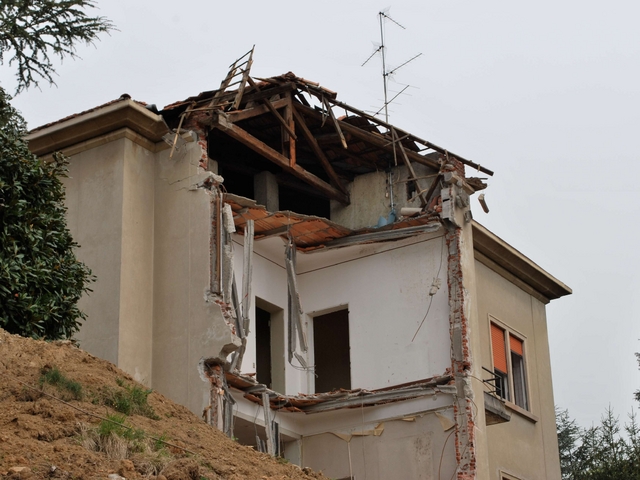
[53,440]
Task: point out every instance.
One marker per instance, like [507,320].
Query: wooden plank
[275,113]
[239,115]
[407,162]
[432,188]
[268,92]
[219,121]
[243,81]
[335,124]
[318,151]
[286,137]
[377,140]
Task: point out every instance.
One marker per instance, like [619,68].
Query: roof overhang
[497,254]
[114,116]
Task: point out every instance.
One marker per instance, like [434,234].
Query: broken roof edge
[106,118]
[317,234]
[315,89]
[494,251]
[341,398]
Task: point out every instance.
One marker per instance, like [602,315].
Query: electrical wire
[431,299]
[442,453]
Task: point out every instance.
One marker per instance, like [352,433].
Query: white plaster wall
[269,283]
[386,288]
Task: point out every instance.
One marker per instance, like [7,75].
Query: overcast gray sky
[546,94]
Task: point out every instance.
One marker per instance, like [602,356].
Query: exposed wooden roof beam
[239,115]
[220,121]
[318,151]
[319,94]
[273,110]
[371,138]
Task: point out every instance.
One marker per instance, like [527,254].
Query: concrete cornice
[102,120]
[504,256]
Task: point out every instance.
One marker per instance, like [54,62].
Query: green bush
[41,279]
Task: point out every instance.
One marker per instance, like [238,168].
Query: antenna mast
[386,73]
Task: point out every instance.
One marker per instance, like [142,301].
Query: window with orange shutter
[509,366]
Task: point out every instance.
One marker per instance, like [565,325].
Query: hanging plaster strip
[227,253]
[236,308]
[229,403]
[291,327]
[247,274]
[295,310]
[235,356]
[268,427]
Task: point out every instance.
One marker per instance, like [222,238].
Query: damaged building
[310,279]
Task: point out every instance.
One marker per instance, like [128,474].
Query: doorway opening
[269,331]
[331,350]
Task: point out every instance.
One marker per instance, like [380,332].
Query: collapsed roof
[290,121]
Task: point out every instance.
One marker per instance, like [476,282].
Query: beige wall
[370,196]
[136,275]
[416,449]
[188,326]
[144,230]
[526,446]
[94,199]
[110,214]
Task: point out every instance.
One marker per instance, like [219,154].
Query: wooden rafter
[318,151]
[273,110]
[407,162]
[239,115]
[220,122]
[335,124]
[376,140]
[289,140]
[317,92]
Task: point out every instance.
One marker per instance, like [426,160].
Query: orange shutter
[516,345]
[499,350]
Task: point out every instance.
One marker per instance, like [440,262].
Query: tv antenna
[382,16]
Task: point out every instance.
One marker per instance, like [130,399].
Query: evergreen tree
[601,452]
[34,31]
[41,280]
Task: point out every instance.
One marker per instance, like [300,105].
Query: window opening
[517,366]
[510,371]
[332,351]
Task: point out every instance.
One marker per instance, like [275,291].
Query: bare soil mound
[109,427]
